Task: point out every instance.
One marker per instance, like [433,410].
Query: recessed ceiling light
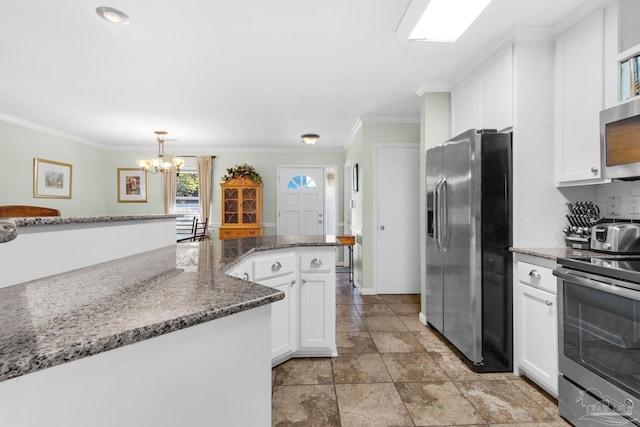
[446,20]
[112,15]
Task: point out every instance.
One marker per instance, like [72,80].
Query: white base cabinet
[536,324]
[303,323]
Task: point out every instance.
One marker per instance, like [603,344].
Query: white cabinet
[303,323]
[579,100]
[317,301]
[536,324]
[484,100]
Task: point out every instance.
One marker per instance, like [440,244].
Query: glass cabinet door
[249,205]
[231,204]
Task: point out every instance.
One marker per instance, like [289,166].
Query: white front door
[301,201]
[397,233]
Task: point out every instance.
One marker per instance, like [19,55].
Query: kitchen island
[161,338]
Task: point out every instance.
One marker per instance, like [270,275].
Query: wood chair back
[23,211]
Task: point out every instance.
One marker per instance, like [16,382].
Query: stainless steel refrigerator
[469,232]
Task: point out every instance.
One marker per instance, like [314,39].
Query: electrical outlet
[634,204]
[613,205]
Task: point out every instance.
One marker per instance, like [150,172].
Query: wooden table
[349,241]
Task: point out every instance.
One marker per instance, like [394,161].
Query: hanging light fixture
[310,138]
[159,164]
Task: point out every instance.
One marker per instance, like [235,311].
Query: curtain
[203,164]
[169,184]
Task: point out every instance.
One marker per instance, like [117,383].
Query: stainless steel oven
[599,341]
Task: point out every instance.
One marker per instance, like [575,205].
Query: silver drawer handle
[276,266]
[293,282]
[549,303]
[245,276]
[316,261]
[534,274]
[304,281]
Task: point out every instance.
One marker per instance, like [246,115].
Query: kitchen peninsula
[52,245]
[161,338]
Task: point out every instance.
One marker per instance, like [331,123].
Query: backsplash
[620,197]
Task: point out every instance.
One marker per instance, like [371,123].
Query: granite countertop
[76,314]
[555,253]
[55,220]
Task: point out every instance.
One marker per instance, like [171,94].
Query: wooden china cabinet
[241,209]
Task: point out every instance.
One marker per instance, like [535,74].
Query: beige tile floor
[393,371]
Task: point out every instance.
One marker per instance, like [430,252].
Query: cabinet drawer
[238,233]
[274,266]
[317,263]
[538,276]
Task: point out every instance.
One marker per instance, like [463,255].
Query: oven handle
[591,282]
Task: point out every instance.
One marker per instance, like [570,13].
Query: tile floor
[393,371]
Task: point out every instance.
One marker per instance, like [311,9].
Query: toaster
[616,237]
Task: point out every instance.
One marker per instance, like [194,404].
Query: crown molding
[49,131]
[391,119]
[433,87]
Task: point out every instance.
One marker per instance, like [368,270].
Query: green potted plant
[242,170]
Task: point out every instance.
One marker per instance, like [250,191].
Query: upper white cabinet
[484,100]
[496,91]
[579,100]
[464,106]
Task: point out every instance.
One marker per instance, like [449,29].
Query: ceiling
[231,74]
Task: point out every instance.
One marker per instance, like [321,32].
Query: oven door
[599,348]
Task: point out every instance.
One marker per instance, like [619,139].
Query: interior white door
[301,201]
[397,201]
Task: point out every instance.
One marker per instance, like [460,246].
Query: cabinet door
[496,91]
[465,106]
[284,324]
[242,270]
[579,92]
[537,336]
[249,205]
[231,204]
[317,311]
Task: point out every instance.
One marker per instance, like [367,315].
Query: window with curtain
[187,202]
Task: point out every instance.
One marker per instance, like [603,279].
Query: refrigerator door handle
[440,209]
[442,215]
[436,215]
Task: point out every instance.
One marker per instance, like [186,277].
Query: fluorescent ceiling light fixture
[112,15]
[445,20]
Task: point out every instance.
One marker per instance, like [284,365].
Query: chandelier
[159,164]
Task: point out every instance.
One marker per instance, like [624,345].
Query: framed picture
[51,179]
[355,178]
[132,185]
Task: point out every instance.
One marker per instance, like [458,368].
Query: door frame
[376,198]
[347,210]
[324,177]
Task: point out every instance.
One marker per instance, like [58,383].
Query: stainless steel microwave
[620,141]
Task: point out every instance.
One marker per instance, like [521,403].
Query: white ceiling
[230,73]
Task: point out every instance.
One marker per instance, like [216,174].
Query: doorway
[397,219]
[306,200]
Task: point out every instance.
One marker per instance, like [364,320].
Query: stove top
[619,267]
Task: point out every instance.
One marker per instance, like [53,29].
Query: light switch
[634,204]
[613,205]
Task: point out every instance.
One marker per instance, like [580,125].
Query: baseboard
[423,318]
